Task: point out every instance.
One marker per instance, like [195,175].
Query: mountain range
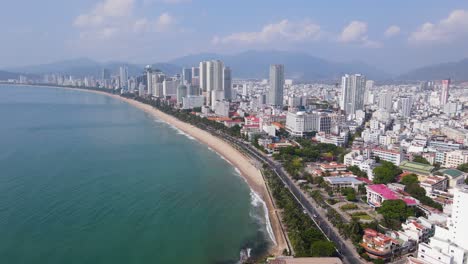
[253,64]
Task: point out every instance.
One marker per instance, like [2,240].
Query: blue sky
[393,35]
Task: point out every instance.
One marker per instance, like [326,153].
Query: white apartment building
[455,158]
[450,245]
[364,164]
[222,108]
[299,123]
[192,101]
[337,140]
[395,157]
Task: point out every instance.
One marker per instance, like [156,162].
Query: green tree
[394,213]
[420,159]
[322,249]
[463,167]
[410,179]
[350,193]
[386,173]
[356,171]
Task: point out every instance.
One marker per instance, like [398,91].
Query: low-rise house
[332,166]
[455,177]
[339,182]
[418,229]
[434,183]
[378,245]
[364,164]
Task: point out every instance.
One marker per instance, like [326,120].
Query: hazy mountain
[298,66]
[249,64]
[86,67]
[4,75]
[457,71]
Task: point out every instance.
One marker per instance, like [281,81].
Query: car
[315,216]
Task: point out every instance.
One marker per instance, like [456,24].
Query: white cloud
[392,31]
[164,22]
[116,18]
[150,2]
[284,30]
[108,9]
[453,27]
[356,32]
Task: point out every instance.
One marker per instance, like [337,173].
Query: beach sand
[246,166]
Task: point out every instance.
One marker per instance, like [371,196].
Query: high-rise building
[203,75]
[444,93]
[276,85]
[195,72]
[299,123]
[352,93]
[186,76]
[148,71]
[450,244]
[170,87]
[105,74]
[181,93]
[123,77]
[385,101]
[227,83]
[406,105]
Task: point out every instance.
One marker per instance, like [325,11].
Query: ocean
[85,178]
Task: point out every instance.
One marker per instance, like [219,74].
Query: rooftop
[290,260]
[343,180]
[452,173]
[416,167]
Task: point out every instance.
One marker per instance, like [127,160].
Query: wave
[244,255]
[180,132]
[257,201]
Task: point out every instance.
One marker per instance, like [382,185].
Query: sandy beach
[249,172]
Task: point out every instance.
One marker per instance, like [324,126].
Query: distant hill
[457,71]
[86,67]
[250,64]
[298,66]
[4,75]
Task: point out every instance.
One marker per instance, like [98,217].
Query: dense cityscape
[383,165]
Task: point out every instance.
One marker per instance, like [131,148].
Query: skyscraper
[123,77]
[149,87]
[406,105]
[276,85]
[352,93]
[186,76]
[385,101]
[444,93]
[105,74]
[203,75]
[227,83]
[195,72]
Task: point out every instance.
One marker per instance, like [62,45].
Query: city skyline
[140,31]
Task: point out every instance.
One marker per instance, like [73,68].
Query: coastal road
[348,253]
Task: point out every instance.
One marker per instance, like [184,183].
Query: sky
[394,36]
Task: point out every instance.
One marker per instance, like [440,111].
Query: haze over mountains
[253,64]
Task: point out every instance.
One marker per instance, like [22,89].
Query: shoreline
[252,176]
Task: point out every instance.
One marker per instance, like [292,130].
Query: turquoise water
[85,178]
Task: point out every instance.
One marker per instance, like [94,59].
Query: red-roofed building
[378,193]
[378,245]
[252,120]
